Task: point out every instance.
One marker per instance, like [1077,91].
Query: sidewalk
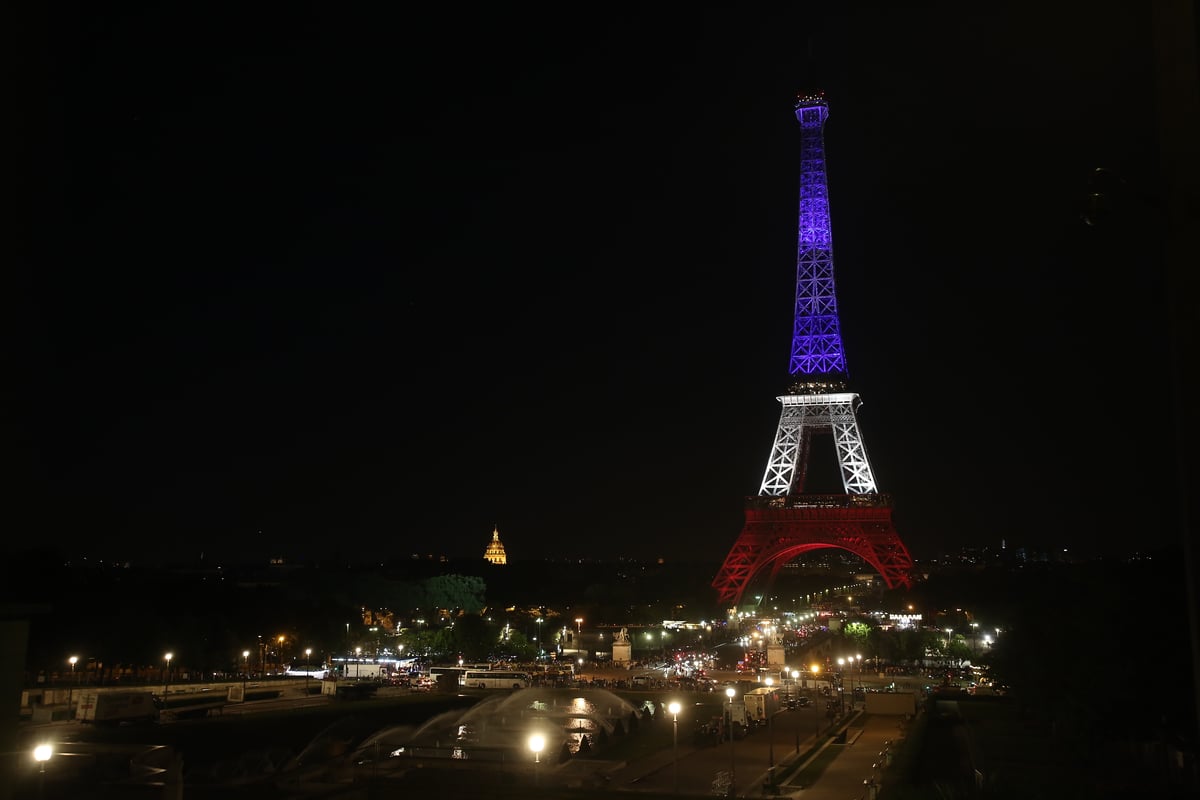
[852,764]
[846,765]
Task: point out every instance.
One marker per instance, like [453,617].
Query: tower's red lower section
[778,529]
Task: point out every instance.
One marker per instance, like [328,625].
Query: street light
[841,687]
[281,654]
[41,754]
[167,673]
[579,626]
[245,671]
[674,709]
[307,668]
[770,739]
[816,670]
[730,692]
[72,661]
[795,678]
[536,743]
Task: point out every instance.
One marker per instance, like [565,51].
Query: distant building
[495,549]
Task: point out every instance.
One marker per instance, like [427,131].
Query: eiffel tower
[783,521]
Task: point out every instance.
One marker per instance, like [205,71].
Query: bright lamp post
[770,740]
[674,709]
[73,660]
[245,671]
[795,678]
[841,682]
[41,754]
[730,692]
[536,743]
[167,672]
[816,670]
[307,668]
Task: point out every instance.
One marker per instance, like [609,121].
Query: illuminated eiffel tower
[783,521]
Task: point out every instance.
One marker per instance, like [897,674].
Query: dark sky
[373,282]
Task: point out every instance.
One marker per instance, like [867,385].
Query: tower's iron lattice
[783,521]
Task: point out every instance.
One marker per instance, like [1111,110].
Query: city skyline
[395,280]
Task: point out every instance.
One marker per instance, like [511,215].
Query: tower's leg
[801,417]
[775,533]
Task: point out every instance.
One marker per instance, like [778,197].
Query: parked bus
[494,679]
[455,674]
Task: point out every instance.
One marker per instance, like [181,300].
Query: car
[803,701]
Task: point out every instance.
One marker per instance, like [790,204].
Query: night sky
[305,281]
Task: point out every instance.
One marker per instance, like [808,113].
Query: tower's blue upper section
[818,362]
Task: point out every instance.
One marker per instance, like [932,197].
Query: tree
[857,634]
[516,645]
[470,636]
[464,593]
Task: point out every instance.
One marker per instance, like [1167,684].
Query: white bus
[494,679]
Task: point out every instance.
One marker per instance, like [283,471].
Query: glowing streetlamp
[307,668]
[41,754]
[730,692]
[770,739]
[674,709]
[579,626]
[536,743]
[245,671]
[796,677]
[73,660]
[816,670]
[167,672]
[281,654]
